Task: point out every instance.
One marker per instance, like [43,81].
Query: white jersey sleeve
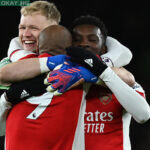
[16,52]
[131,101]
[118,55]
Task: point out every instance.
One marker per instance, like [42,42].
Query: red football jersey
[106,122]
[50,125]
[45,122]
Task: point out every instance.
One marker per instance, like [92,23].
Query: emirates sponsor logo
[95,121]
[94,127]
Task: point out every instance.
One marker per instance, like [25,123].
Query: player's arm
[132,102]
[29,68]
[118,55]
[33,87]
[25,89]
[19,70]
[125,75]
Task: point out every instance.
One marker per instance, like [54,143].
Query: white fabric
[43,101]
[118,55]
[16,45]
[78,142]
[79,139]
[43,65]
[4,108]
[132,102]
[126,119]
[20,54]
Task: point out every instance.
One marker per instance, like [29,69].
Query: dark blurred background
[127,21]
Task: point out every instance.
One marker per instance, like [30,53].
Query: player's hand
[68,76]
[87,59]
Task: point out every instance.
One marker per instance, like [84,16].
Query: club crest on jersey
[105,99]
[107,61]
[89,61]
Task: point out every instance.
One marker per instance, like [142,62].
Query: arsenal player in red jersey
[108,110]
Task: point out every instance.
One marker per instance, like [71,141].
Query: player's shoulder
[16,51]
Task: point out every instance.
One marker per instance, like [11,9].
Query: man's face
[29,29]
[89,37]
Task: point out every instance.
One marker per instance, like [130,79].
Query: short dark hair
[91,20]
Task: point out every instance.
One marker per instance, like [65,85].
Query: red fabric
[53,130]
[29,56]
[104,120]
[44,55]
